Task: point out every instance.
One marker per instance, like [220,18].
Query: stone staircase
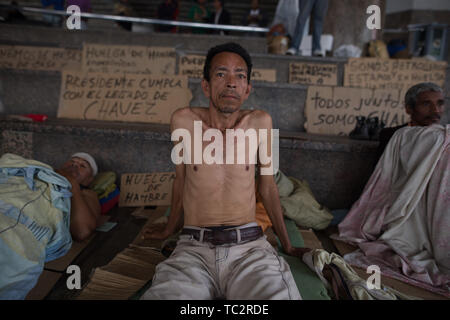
[336,168]
[148,9]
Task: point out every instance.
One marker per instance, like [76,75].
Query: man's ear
[248,90]
[409,110]
[205,87]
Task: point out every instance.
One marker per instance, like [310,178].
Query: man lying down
[41,210]
[401,222]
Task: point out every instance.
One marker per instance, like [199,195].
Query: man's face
[428,110]
[80,170]
[228,87]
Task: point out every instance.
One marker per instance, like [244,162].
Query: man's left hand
[297,252]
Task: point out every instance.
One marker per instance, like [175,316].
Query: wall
[393,6]
[346,21]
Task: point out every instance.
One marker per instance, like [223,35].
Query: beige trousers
[245,271]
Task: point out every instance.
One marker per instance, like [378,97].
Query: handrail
[144,20]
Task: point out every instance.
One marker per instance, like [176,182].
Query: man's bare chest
[237,146]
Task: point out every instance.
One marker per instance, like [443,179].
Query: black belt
[219,237]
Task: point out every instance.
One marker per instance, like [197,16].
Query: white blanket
[402,220]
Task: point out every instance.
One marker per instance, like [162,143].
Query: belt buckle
[218,237]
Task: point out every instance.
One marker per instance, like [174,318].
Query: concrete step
[280,63]
[336,168]
[24,92]
[184,43]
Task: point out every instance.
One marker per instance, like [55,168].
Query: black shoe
[361,131]
[372,123]
[376,129]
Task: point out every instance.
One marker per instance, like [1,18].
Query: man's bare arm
[269,193]
[84,212]
[175,221]
[271,200]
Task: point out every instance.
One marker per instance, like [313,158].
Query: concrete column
[346,21]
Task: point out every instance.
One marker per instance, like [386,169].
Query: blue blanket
[34,222]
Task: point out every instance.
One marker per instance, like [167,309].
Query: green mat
[309,285]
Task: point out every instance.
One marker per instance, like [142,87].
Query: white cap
[89,159]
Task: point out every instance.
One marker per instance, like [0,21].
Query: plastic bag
[347,51]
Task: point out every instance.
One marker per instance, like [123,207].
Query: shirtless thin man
[214,197]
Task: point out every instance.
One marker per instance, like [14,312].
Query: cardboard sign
[268,75]
[191,65]
[333,110]
[313,73]
[146,189]
[128,59]
[397,74]
[39,58]
[126,97]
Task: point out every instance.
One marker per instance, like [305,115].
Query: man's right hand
[156,232]
[69,175]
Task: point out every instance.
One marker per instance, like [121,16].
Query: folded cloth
[102,182]
[345,281]
[108,202]
[262,218]
[303,208]
[112,188]
[297,202]
[285,186]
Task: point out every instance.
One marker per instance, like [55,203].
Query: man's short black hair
[227,47]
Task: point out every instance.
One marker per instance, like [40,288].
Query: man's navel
[247,167]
